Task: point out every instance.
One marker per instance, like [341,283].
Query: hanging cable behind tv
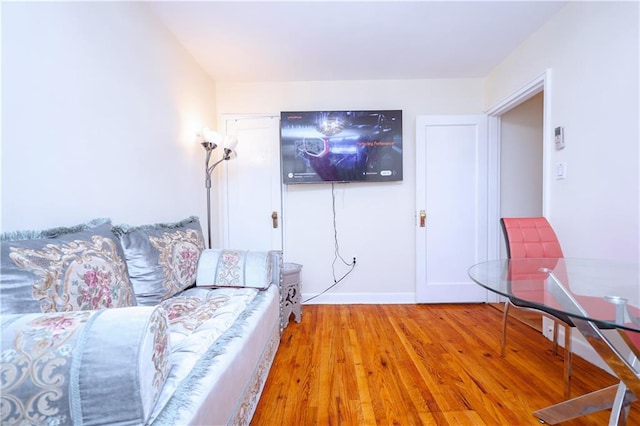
[336,255]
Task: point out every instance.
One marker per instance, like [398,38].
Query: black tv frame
[341,146]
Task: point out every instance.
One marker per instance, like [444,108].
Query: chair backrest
[533,237]
[530,237]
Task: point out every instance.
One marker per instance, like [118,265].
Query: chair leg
[568,354]
[568,357]
[505,314]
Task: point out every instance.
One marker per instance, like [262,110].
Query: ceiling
[353,40]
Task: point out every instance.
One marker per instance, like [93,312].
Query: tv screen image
[341,146]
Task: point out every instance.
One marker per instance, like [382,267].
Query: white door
[251,191]
[452,197]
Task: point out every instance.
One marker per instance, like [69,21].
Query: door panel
[251,190]
[451,187]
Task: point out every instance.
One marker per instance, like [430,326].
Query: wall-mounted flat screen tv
[341,146]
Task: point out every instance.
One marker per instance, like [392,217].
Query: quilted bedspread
[197,318]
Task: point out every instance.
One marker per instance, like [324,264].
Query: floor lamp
[210,141]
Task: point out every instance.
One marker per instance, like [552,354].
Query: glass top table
[602,291]
[596,295]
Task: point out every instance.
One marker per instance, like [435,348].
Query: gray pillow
[161,258]
[63,269]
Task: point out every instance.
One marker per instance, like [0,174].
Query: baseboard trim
[359,299]
[583,349]
[580,347]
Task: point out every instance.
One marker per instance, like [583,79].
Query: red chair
[533,237]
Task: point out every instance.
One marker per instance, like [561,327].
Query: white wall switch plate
[561,170]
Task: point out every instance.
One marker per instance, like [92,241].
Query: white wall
[99,108]
[592,50]
[376,222]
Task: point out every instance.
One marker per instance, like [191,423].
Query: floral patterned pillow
[162,258]
[64,269]
[234,268]
[63,368]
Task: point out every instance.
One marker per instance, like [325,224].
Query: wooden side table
[290,294]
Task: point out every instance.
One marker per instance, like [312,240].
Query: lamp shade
[209,135]
[230,142]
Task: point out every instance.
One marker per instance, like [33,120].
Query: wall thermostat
[559,137]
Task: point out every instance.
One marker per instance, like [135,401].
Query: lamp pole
[209,147]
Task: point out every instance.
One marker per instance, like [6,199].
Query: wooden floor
[417,364]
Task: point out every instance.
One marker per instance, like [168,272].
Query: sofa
[134,325]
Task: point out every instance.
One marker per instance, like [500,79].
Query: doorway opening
[527,192]
[520,129]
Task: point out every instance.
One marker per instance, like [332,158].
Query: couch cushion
[234,268]
[198,318]
[63,269]
[71,368]
[162,258]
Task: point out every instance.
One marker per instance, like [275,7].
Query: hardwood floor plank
[367,414]
[417,364]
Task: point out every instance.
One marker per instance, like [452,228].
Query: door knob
[423,218]
[274,218]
